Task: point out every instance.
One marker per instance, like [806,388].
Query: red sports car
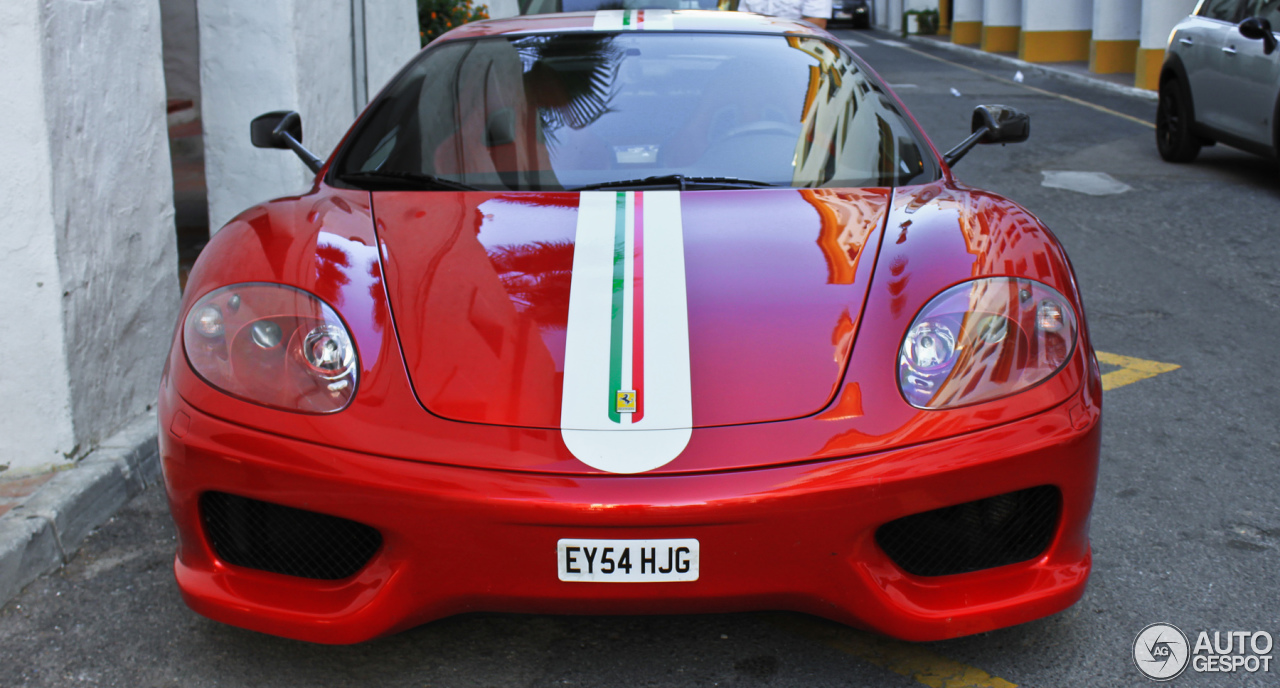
[632,312]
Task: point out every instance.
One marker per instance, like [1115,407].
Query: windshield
[553,6]
[565,111]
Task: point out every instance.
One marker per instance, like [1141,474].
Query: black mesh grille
[991,532]
[280,539]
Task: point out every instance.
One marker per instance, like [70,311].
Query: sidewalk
[45,517]
[13,491]
[1077,72]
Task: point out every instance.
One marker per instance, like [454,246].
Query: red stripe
[639,25]
[637,331]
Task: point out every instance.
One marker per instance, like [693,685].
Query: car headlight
[985,339]
[274,345]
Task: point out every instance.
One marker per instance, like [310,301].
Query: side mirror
[1258,29]
[992,124]
[282,129]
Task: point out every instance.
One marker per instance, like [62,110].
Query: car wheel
[1174,139]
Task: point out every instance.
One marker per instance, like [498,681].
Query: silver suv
[1221,81]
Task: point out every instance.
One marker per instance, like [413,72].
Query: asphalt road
[1181,268]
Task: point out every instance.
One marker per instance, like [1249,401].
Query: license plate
[627,561]
[844,15]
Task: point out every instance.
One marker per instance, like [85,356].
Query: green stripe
[619,283]
[626,17]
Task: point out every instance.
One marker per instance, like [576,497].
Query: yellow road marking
[906,659]
[1131,369]
[1059,96]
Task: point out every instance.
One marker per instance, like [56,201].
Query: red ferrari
[632,312]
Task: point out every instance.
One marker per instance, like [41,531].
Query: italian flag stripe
[626,334]
[637,308]
[633,20]
[619,307]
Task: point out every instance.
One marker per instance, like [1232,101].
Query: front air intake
[281,539]
[983,534]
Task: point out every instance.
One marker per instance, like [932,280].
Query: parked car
[856,12]
[619,313]
[1221,81]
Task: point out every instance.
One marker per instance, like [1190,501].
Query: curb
[44,532]
[1039,69]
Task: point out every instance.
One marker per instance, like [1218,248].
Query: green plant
[926,22]
[438,16]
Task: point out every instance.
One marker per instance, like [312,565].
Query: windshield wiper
[679,181]
[397,180]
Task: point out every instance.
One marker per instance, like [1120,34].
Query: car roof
[643,20]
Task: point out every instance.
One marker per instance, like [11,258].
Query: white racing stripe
[663,431]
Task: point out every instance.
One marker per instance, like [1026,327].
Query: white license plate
[627,561]
[844,15]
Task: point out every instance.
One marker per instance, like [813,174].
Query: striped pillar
[1116,27]
[1001,23]
[1158,19]
[966,24]
[1055,30]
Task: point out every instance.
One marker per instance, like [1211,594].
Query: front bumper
[798,537]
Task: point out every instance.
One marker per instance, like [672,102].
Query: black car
[856,12]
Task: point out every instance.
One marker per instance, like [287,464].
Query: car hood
[710,308]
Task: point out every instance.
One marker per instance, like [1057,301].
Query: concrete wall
[1055,30]
[1116,26]
[502,8]
[966,22]
[36,422]
[388,45]
[1158,19]
[89,272]
[288,55]
[1117,20]
[1001,24]
[181,49]
[1057,15]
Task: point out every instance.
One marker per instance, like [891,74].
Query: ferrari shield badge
[626,401]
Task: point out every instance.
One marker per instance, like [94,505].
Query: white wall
[89,271]
[967,11]
[1002,13]
[36,417]
[1057,15]
[389,45]
[1158,19]
[1117,20]
[287,55]
[502,8]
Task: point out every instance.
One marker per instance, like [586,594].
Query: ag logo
[1161,651]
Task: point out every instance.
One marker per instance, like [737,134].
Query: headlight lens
[985,339]
[274,345]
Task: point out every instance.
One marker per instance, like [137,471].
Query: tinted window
[1270,10]
[550,112]
[1226,10]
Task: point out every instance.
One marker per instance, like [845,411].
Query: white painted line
[853,43]
[896,44]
